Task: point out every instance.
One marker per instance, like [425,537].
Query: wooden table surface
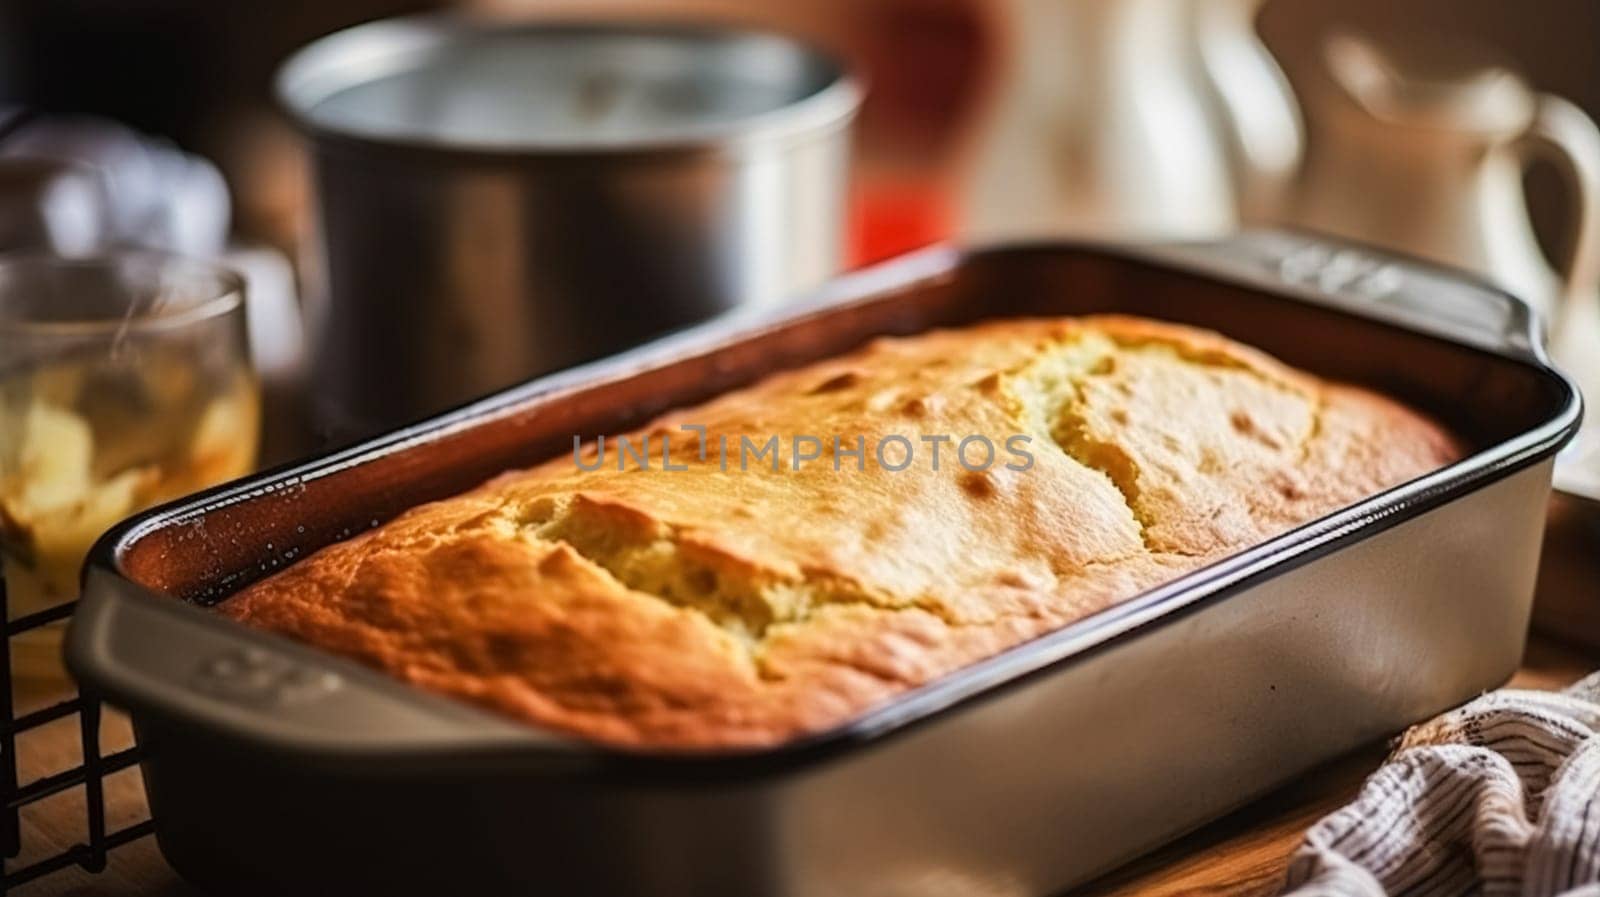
[1242,854]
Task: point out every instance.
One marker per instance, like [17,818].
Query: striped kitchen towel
[1498,797]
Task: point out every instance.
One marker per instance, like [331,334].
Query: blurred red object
[925,63]
[891,218]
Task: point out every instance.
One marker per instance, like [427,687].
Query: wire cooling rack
[90,854]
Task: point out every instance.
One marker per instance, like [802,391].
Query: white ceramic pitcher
[1130,118]
[1428,156]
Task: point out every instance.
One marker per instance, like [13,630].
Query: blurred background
[199,73]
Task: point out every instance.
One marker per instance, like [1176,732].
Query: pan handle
[163,657]
[1413,293]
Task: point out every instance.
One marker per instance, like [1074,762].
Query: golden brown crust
[711,608]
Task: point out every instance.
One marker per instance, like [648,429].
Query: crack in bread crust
[745,603]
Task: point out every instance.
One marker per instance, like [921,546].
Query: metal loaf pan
[274,768]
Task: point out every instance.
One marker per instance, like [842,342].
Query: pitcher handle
[1565,135]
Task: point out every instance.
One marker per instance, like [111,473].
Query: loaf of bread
[717,597]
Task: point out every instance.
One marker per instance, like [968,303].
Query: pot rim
[364,53]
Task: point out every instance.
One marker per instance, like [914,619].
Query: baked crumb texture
[711,608]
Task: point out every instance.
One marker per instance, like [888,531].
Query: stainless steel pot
[498,201]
